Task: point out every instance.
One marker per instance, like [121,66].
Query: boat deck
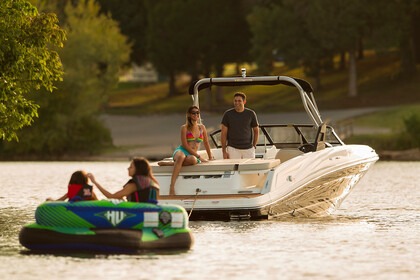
[211,196]
[222,165]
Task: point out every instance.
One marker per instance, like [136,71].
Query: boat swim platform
[200,196]
[220,165]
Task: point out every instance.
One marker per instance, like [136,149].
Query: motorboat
[301,170]
[110,226]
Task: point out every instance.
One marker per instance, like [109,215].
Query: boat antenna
[243,70]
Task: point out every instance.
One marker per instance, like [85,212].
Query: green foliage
[200,37]
[412,126]
[377,89]
[289,31]
[68,120]
[94,53]
[402,121]
[63,138]
[132,18]
[382,142]
[389,117]
[28,62]
[311,32]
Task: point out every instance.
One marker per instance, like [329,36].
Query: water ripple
[374,234]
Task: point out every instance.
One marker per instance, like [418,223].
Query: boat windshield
[286,136]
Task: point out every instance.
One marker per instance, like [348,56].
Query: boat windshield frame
[286,136]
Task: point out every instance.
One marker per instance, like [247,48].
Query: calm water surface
[374,235]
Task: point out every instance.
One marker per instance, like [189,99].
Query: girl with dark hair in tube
[142,187]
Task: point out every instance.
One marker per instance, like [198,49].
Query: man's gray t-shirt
[240,126]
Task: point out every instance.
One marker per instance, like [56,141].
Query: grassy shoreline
[379,85]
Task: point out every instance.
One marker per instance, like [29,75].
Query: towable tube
[108,226]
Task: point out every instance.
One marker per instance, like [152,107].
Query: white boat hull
[311,185]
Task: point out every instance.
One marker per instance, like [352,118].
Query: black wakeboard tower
[304,88]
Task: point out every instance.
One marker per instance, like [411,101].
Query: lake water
[374,235]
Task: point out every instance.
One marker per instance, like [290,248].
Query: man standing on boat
[239,130]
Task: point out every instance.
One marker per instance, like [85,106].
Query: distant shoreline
[405,155]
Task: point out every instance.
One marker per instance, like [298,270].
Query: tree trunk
[360,53]
[415,31]
[352,74]
[408,66]
[219,95]
[407,46]
[342,61]
[318,85]
[172,86]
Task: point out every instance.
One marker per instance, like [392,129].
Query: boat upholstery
[286,154]
[258,164]
[270,152]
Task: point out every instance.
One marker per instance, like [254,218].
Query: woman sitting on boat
[78,188]
[142,187]
[192,135]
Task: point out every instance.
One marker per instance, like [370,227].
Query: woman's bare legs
[180,160]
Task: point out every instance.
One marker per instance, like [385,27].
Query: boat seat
[258,164]
[270,152]
[286,154]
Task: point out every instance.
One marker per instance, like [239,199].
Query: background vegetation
[28,62]
[355,53]
[93,54]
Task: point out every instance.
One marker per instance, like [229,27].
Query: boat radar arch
[304,88]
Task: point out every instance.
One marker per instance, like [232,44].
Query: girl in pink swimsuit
[192,135]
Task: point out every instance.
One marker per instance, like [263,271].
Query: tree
[196,37]
[265,24]
[222,37]
[310,32]
[404,22]
[340,26]
[285,28]
[169,42]
[28,62]
[132,18]
[225,38]
[92,57]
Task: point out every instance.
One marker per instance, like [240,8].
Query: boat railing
[286,136]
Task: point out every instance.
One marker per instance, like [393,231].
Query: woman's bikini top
[191,138]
